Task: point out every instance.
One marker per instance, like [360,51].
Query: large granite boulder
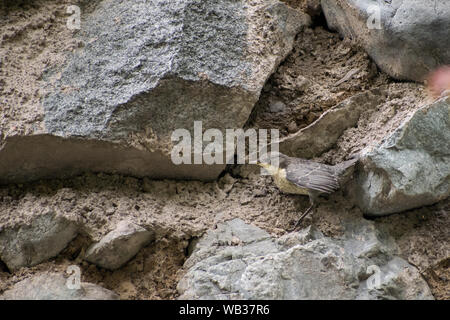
[411,167]
[240,261]
[406,39]
[142,70]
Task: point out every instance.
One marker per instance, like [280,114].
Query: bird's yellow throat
[279,178]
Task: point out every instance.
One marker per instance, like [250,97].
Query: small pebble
[277,106]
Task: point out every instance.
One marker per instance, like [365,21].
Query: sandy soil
[311,81]
[322,71]
[179,212]
[307,82]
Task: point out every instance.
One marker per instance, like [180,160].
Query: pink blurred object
[439,82]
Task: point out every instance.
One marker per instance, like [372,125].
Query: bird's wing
[312,175]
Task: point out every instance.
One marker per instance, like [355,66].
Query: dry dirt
[181,211]
[308,82]
[177,211]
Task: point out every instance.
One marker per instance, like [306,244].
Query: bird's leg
[312,200]
[303,216]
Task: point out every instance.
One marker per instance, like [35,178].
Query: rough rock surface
[119,246]
[45,237]
[397,279]
[323,133]
[311,7]
[53,286]
[239,261]
[141,71]
[320,73]
[411,168]
[412,38]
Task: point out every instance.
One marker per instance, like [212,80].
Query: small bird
[305,177]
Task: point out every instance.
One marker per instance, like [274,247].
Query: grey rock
[364,240]
[302,84]
[398,280]
[277,106]
[411,168]
[413,38]
[238,261]
[316,270]
[145,70]
[323,133]
[53,286]
[302,237]
[27,245]
[292,127]
[234,233]
[119,246]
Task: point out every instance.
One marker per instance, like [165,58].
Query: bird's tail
[340,168]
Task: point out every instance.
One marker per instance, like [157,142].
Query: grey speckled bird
[305,177]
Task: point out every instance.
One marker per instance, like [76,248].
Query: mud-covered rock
[238,261]
[119,246]
[323,133]
[406,39]
[54,286]
[411,167]
[30,244]
[140,72]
